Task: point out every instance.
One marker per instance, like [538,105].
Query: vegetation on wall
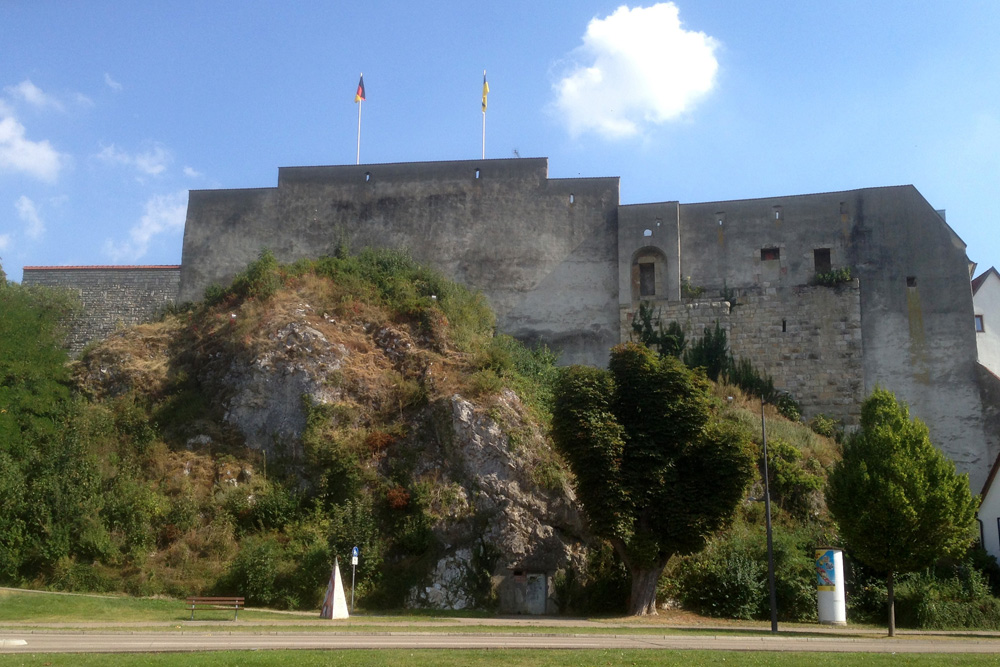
[833,277]
[711,353]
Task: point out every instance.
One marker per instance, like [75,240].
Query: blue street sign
[354,552]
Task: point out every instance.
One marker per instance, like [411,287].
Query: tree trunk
[892,604]
[642,600]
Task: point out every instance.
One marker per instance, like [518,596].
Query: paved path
[139,641]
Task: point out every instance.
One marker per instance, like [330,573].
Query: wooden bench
[215,603]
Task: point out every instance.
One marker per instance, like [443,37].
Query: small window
[769,254]
[572,198]
[721,217]
[821,260]
[784,326]
[647,279]
[979,324]
[778,215]
[477,176]
[368,176]
[647,232]
[658,222]
[911,281]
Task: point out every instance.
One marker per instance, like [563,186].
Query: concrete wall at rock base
[110,296]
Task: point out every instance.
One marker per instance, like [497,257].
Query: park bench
[215,603]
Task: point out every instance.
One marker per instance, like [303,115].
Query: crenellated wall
[111,296]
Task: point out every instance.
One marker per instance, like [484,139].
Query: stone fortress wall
[542,250]
[562,262]
[111,297]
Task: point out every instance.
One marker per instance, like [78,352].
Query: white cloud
[636,67]
[19,154]
[28,92]
[28,212]
[164,214]
[111,83]
[191,172]
[151,162]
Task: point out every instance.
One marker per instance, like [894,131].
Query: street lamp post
[767,520]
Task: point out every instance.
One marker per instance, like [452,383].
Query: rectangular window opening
[911,281]
[769,254]
[647,279]
[979,324]
[821,260]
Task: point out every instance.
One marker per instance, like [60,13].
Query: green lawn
[54,608]
[491,658]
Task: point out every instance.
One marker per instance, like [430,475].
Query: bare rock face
[266,404]
[502,512]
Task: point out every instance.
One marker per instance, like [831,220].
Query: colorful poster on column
[826,575]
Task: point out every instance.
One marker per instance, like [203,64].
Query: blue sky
[111,111]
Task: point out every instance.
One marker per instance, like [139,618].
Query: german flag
[360,95]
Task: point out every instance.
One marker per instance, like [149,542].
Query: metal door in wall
[535,594]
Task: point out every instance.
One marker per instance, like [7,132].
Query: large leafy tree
[898,500]
[655,473]
[49,485]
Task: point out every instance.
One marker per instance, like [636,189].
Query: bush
[601,588]
[826,426]
[793,486]
[954,596]
[254,571]
[728,579]
[834,277]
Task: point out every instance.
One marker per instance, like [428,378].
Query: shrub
[826,426]
[601,587]
[254,571]
[729,577]
[834,277]
[793,487]
[710,352]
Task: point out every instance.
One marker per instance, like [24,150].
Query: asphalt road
[139,641]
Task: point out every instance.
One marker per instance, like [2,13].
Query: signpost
[354,565]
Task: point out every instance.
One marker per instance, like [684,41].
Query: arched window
[649,274]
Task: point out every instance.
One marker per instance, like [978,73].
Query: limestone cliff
[291,385]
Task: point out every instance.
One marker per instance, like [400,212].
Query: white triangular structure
[334,602]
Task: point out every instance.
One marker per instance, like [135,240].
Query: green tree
[656,475]
[49,484]
[898,500]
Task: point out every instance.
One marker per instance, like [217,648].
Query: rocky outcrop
[500,507]
[502,520]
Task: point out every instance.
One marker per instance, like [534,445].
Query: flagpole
[360,102]
[486,89]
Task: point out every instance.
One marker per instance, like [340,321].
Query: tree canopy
[898,500]
[655,473]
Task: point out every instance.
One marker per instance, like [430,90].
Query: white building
[986,306]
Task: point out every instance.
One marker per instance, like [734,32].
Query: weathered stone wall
[808,339]
[916,301]
[542,250]
[111,296]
